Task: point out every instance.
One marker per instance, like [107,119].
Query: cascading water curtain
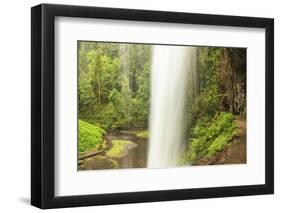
[170,68]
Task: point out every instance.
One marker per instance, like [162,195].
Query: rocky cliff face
[233,80]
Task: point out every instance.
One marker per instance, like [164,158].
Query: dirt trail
[235,153]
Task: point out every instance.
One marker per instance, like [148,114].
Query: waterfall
[171,66]
[126,79]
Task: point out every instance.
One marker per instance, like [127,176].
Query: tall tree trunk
[99,88]
[195,75]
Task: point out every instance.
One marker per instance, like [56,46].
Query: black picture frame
[43,102]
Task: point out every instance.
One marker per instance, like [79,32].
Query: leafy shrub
[115,114]
[211,135]
[89,136]
[207,102]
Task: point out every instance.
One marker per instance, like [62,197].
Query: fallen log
[90,154]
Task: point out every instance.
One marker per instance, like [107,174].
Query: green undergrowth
[209,136]
[118,148]
[90,136]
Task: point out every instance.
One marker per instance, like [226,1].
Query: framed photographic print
[140,106]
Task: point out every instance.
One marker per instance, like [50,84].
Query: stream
[135,157]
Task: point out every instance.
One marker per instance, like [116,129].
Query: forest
[115,87]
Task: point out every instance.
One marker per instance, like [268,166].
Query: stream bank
[124,149]
[235,152]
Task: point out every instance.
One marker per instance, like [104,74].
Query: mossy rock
[143,134]
[98,162]
[120,148]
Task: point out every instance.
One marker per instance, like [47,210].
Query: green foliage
[113,116]
[210,135]
[206,103]
[209,61]
[219,143]
[119,148]
[209,98]
[212,125]
[90,136]
[114,84]
[140,104]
